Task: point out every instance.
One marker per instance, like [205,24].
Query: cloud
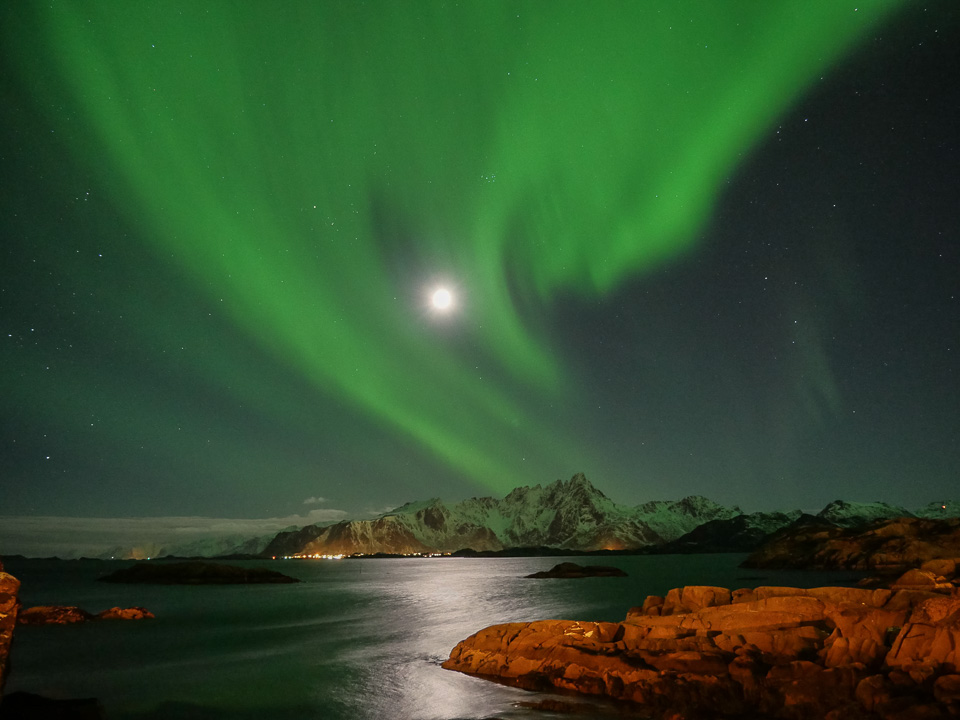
[377,512]
[67,537]
[314,500]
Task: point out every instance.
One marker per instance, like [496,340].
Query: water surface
[357,639]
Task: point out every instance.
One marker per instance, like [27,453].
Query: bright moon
[442,299]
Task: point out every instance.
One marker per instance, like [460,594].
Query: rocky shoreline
[9,609]
[27,705]
[708,652]
[888,545]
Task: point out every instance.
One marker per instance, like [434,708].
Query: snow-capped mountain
[234,544]
[849,514]
[672,519]
[572,515]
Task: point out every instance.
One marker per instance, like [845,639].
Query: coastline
[775,651]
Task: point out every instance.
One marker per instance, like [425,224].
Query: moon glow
[441,299]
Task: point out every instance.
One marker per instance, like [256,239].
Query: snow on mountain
[672,519]
[235,544]
[572,515]
[741,533]
[848,514]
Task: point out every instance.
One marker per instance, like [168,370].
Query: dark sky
[690,252]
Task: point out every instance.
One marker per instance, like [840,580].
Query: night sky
[692,247]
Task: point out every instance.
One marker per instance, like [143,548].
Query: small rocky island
[194,573]
[572,570]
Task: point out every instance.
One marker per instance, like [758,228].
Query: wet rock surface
[195,573]
[572,570]
[776,652]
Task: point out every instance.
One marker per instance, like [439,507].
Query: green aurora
[309,172]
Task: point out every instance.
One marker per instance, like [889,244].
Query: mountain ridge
[572,515]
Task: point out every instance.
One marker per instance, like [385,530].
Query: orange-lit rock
[930,638]
[946,689]
[9,607]
[68,615]
[53,615]
[131,613]
[874,693]
[781,652]
[920,580]
[944,567]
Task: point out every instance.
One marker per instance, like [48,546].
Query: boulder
[920,580]
[130,613]
[874,693]
[946,689]
[944,567]
[692,598]
[930,637]
[653,605]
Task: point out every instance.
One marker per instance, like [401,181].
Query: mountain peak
[414,506]
[579,482]
[844,513]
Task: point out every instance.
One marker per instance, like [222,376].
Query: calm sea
[357,639]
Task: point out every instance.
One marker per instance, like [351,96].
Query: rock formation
[777,652]
[130,613]
[27,706]
[894,544]
[572,570]
[9,607]
[53,615]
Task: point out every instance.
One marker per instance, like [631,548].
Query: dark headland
[195,573]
